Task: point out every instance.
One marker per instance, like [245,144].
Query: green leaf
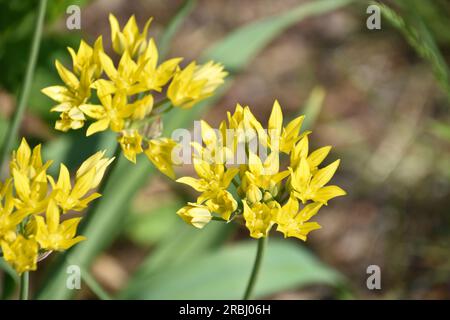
[183,244]
[174,25]
[440,129]
[148,228]
[9,280]
[420,39]
[312,107]
[237,49]
[223,274]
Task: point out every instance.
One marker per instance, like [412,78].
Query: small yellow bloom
[128,40]
[27,162]
[87,59]
[51,234]
[259,218]
[96,162]
[221,202]
[159,152]
[213,177]
[88,177]
[21,254]
[9,219]
[131,144]
[75,92]
[314,159]
[195,83]
[265,175]
[307,186]
[112,113]
[293,223]
[156,76]
[195,214]
[126,79]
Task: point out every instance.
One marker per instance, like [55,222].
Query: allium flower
[195,214]
[126,91]
[30,192]
[268,192]
[195,83]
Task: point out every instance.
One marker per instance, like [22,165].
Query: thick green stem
[11,135]
[24,285]
[262,244]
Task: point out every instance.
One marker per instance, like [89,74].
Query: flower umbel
[265,195]
[32,205]
[126,92]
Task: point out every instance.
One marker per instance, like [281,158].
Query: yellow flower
[195,83]
[21,254]
[87,59]
[293,223]
[195,214]
[9,219]
[112,113]
[128,40]
[29,178]
[159,152]
[26,162]
[96,162]
[316,157]
[258,218]
[31,193]
[307,186]
[75,92]
[131,144]
[265,175]
[88,177]
[221,202]
[156,76]
[126,79]
[51,234]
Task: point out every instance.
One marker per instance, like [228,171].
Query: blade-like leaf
[184,243]
[312,107]
[236,50]
[174,26]
[8,280]
[223,274]
[420,39]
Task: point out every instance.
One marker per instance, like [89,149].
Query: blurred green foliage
[215,275]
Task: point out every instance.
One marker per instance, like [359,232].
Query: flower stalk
[262,244]
[24,285]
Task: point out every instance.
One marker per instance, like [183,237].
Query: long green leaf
[420,39]
[9,279]
[312,107]
[223,274]
[174,25]
[237,49]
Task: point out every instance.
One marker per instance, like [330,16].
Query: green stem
[11,136]
[160,104]
[262,244]
[24,285]
[235,183]
[214,218]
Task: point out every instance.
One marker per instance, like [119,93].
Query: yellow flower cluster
[126,92]
[32,203]
[264,194]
